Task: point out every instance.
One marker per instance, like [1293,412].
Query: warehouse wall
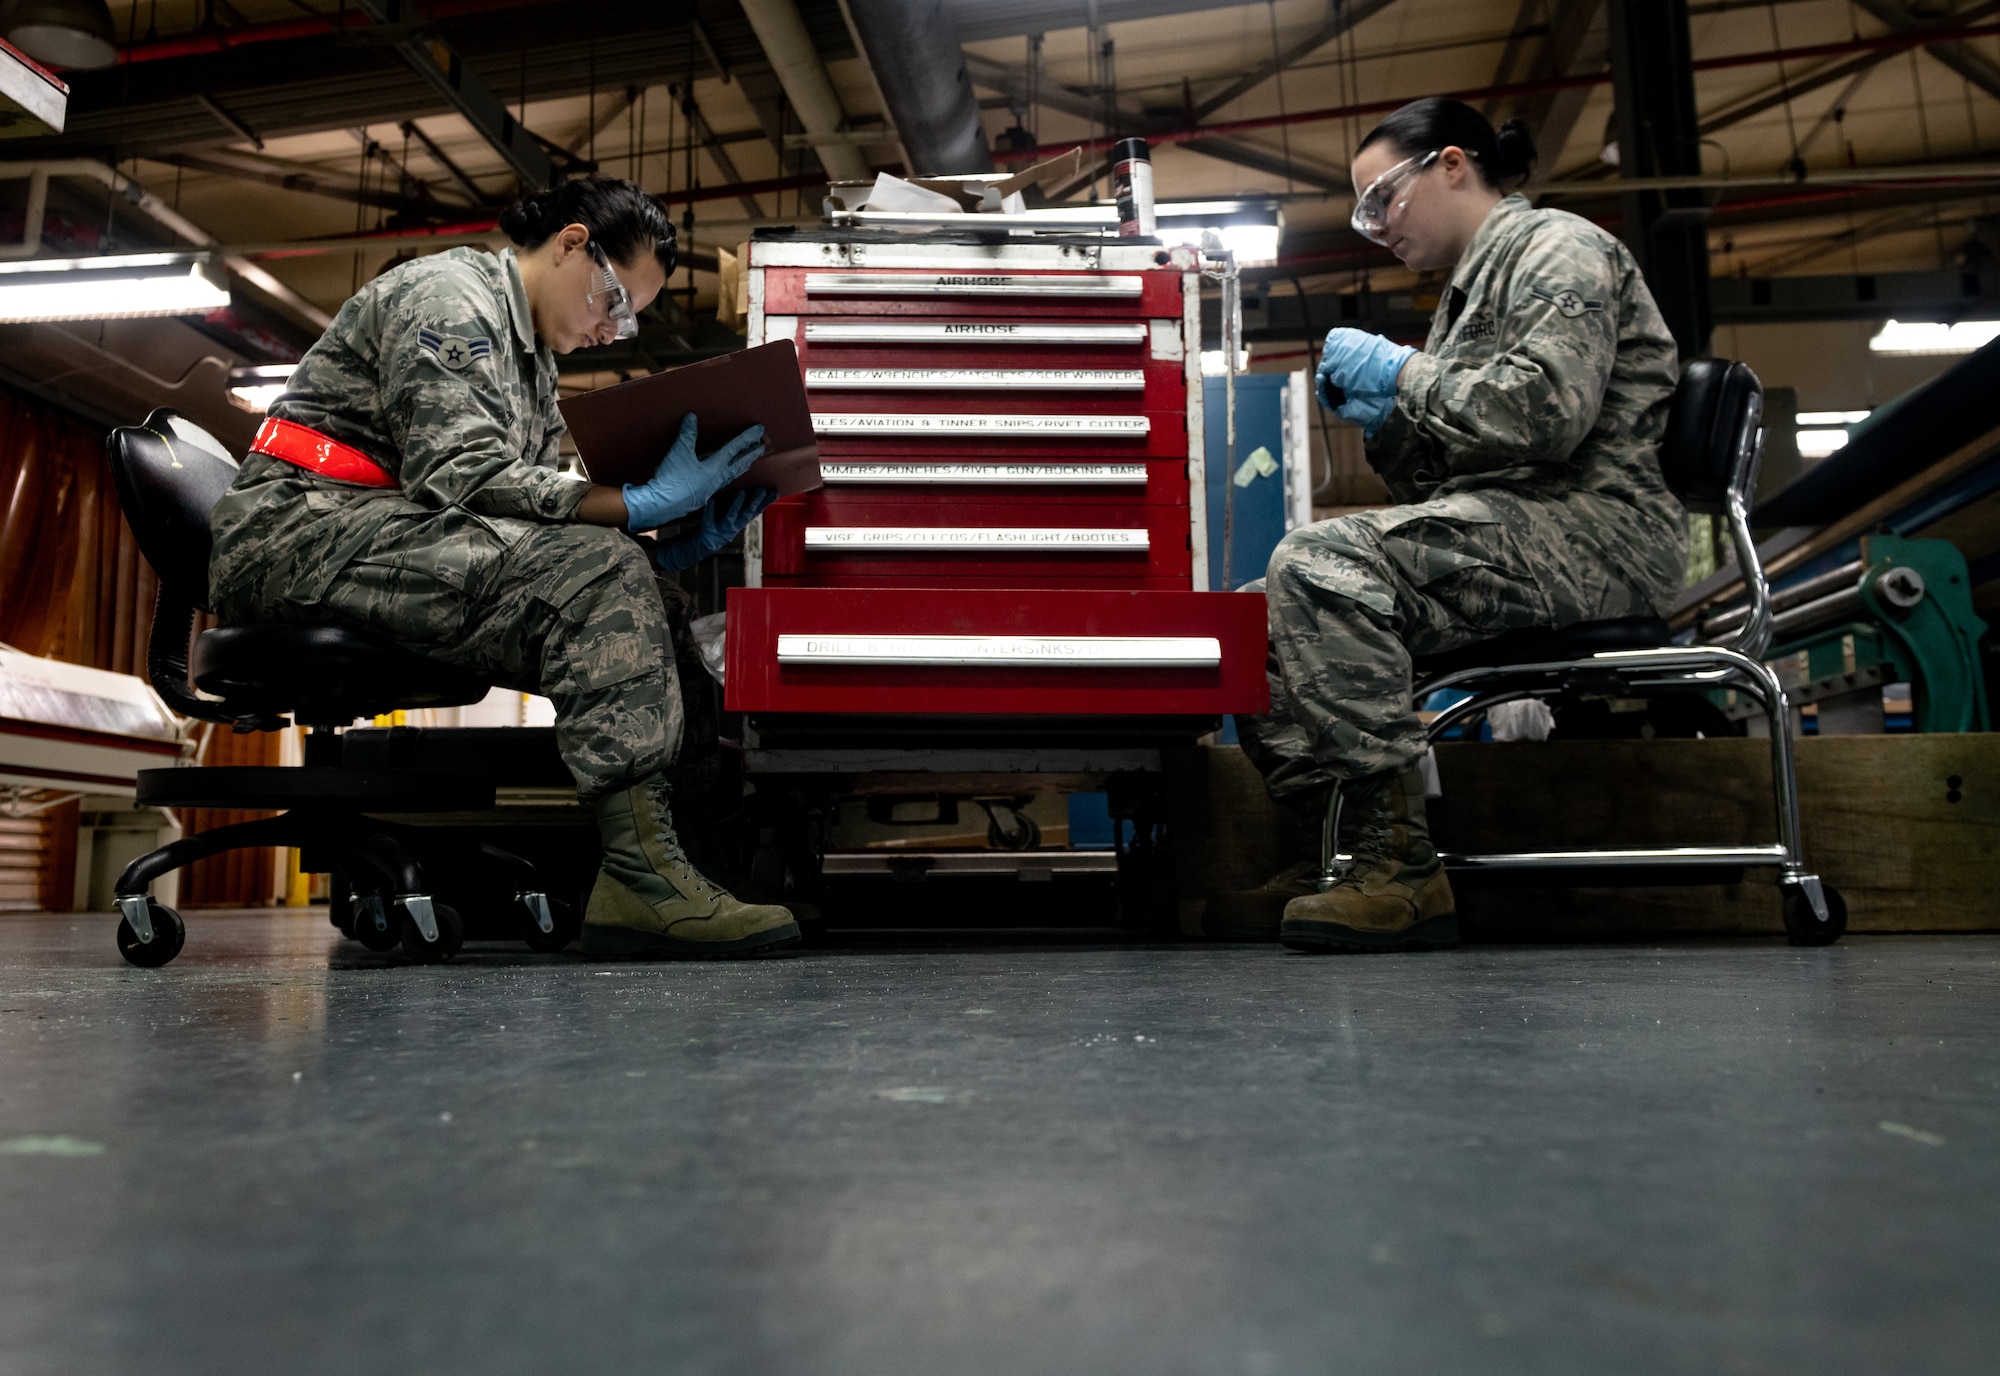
[73,586]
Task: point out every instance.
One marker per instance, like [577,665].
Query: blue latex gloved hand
[722,520]
[1357,376]
[685,481]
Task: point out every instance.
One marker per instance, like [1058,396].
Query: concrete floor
[278,1155]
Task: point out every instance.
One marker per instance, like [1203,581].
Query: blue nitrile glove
[685,481]
[722,520]
[1361,368]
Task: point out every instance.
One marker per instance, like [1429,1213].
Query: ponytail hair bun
[621,217]
[1514,152]
[526,221]
[1424,126]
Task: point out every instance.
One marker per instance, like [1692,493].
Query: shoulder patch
[455,352]
[1568,301]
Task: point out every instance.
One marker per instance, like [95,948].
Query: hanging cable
[1924,132]
[1797,166]
[691,118]
[1278,72]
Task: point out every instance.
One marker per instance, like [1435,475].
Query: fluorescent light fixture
[254,389]
[1932,337]
[116,287]
[1250,227]
[1817,444]
[1807,419]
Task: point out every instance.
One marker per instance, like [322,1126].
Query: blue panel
[1260,507]
[1090,821]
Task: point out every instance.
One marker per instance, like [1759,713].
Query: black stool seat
[1578,641]
[315,786]
[322,673]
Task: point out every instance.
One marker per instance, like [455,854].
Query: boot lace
[661,795]
[1368,846]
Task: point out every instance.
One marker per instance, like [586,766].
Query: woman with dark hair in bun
[1523,444]
[406,485]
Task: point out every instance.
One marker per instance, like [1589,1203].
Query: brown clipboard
[623,432]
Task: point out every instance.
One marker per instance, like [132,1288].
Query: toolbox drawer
[980,476]
[1005,651]
[880,540]
[928,383]
[1001,294]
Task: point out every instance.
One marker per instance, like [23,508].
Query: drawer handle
[972,332]
[936,423]
[1081,652]
[967,284]
[1013,539]
[980,379]
[988,474]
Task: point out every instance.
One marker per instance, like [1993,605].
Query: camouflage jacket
[1547,374]
[434,371]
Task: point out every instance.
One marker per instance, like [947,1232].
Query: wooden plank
[1884,823]
[1859,522]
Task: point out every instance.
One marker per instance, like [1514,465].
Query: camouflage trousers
[572,612]
[1354,600]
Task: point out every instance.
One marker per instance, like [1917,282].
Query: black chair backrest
[170,473]
[1703,448]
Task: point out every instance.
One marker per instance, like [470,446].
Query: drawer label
[968,284]
[1083,652]
[1032,474]
[972,332]
[982,379]
[1059,540]
[864,423]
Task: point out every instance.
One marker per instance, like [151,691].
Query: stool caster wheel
[451,935]
[375,926]
[1804,927]
[169,935]
[566,928]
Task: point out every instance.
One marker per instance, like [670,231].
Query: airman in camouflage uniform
[1523,445]
[434,371]
[479,557]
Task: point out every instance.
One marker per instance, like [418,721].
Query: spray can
[1132,183]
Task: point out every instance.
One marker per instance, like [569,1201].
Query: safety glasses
[617,301]
[1385,195]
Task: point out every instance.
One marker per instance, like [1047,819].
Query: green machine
[1901,613]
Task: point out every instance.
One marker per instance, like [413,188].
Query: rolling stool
[169,474]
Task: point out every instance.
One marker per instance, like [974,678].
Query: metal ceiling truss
[1082,104]
[152,107]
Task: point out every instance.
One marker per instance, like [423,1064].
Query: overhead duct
[807,86]
[913,47]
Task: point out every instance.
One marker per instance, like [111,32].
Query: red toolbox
[1010,434]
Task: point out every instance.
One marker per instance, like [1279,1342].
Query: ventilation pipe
[913,47]
[807,86]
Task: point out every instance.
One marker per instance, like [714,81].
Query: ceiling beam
[302,178]
[1339,19]
[1962,58]
[1081,104]
[438,63]
[1793,87]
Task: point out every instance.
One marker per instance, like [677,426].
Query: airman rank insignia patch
[1567,301]
[454,351]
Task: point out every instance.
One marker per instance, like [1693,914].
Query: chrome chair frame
[1815,914]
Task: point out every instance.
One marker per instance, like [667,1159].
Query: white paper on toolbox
[893,193]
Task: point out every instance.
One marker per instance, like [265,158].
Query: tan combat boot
[1394,895]
[650,900]
[1254,914]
